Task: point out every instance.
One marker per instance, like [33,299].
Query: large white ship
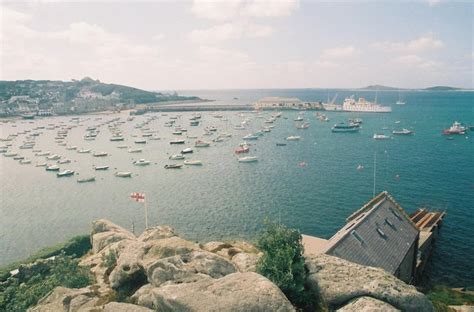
[363,106]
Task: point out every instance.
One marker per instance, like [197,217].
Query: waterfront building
[380,234]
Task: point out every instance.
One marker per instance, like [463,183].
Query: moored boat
[52,168]
[141,162]
[187,151]
[87,179]
[248,159]
[65,173]
[242,149]
[200,143]
[342,127]
[402,132]
[177,142]
[456,128]
[100,154]
[174,166]
[193,162]
[293,138]
[381,137]
[177,157]
[101,167]
[123,174]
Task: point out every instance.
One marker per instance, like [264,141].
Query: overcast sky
[172,45]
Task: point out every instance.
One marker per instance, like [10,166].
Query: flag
[138,197]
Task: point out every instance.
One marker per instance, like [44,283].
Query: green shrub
[63,271]
[444,296]
[75,247]
[283,263]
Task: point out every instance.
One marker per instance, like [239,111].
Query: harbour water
[227,199]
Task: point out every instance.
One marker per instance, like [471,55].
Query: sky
[240,44]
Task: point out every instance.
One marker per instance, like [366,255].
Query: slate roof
[379,234]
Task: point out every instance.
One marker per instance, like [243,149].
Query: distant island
[50,97]
[386,88]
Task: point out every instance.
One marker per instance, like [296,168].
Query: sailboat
[400,102]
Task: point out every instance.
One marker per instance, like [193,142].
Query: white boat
[177,142]
[350,105]
[135,150]
[177,157]
[52,168]
[141,162]
[200,143]
[64,161]
[402,132]
[154,138]
[84,151]
[248,159]
[101,167]
[193,162]
[187,151]
[304,125]
[293,138]
[140,141]
[174,166]
[100,154]
[117,138]
[71,148]
[250,137]
[360,167]
[65,173]
[87,179]
[122,146]
[53,157]
[123,174]
[10,154]
[25,161]
[43,154]
[381,137]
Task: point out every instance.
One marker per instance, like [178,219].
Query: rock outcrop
[337,282]
[160,271]
[234,292]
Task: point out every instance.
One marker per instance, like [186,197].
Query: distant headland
[387,88]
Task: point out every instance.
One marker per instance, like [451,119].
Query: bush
[63,271]
[283,263]
[75,247]
[442,296]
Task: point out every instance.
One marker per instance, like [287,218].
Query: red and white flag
[138,197]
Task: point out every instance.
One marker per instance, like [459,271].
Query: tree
[283,262]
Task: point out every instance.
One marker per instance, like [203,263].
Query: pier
[429,224]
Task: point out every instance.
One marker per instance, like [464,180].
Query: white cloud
[415,61]
[420,44]
[340,52]
[222,10]
[229,31]
[433,2]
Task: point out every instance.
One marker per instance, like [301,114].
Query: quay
[381,234]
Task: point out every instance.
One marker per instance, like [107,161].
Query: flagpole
[146,213]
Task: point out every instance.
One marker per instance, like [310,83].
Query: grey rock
[60,299]
[338,281]
[158,232]
[215,246]
[367,304]
[166,247]
[124,307]
[235,292]
[245,262]
[188,268]
[129,267]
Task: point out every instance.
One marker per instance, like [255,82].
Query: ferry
[456,128]
[364,106]
[342,127]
